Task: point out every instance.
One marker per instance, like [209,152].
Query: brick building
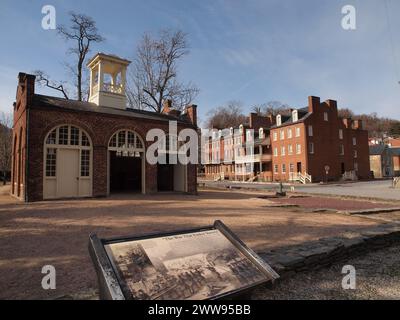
[66,148]
[227,155]
[310,144]
[381,161]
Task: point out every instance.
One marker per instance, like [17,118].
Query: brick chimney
[191,112]
[347,122]
[313,103]
[167,106]
[331,104]
[256,121]
[357,124]
[25,90]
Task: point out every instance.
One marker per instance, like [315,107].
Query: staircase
[253,178]
[300,177]
[219,177]
[350,175]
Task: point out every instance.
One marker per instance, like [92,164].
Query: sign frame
[110,283]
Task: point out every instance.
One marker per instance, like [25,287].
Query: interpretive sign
[202,263]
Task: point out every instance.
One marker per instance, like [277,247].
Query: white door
[67,173]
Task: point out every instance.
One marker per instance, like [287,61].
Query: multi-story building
[310,144]
[240,153]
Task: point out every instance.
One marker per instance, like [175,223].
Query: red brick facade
[320,130]
[309,141]
[33,122]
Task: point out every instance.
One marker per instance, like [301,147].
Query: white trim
[142,152]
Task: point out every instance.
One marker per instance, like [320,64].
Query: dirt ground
[377,277]
[56,232]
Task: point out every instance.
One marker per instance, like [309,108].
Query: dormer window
[295,116]
[231,131]
[278,120]
[241,129]
[261,133]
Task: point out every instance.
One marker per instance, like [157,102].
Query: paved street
[370,189]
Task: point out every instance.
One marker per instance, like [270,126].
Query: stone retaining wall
[313,255]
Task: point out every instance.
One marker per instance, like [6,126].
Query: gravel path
[377,277]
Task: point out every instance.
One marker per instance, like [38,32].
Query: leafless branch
[83,32]
[153,77]
[6,123]
[43,79]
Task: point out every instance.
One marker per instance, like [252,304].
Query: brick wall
[100,128]
[326,144]
[288,159]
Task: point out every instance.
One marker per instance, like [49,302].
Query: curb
[369,211]
[314,255]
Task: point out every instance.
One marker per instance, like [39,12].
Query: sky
[251,51]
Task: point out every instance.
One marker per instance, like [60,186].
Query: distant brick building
[381,161]
[312,144]
[66,148]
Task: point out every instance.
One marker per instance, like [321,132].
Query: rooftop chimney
[357,124]
[191,112]
[313,103]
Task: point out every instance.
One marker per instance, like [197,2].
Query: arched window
[278,120]
[295,115]
[67,163]
[126,143]
[261,133]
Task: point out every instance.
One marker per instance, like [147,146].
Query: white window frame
[298,148]
[295,116]
[341,134]
[298,133]
[310,131]
[278,120]
[326,116]
[311,147]
[290,149]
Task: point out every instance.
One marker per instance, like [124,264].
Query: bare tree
[229,115]
[43,79]
[83,32]
[345,113]
[5,144]
[271,108]
[154,74]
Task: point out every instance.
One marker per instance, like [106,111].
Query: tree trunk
[79,84]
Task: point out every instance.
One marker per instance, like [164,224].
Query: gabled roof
[395,151]
[287,120]
[377,149]
[82,106]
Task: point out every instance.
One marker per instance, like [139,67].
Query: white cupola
[108,80]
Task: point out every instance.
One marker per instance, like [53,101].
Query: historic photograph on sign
[198,265]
